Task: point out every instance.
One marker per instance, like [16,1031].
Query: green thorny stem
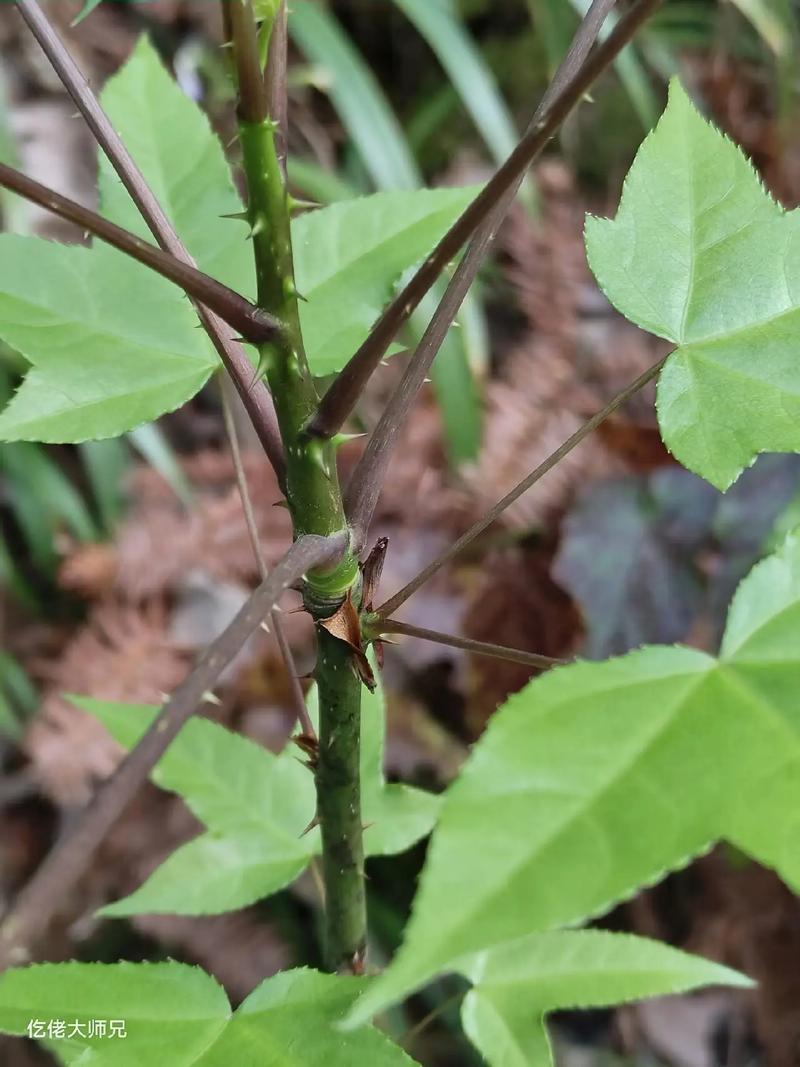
[314,499]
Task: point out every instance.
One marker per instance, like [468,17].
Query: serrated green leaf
[111,344]
[257,807]
[701,255]
[516,985]
[163,1006]
[182,161]
[178,1014]
[292,1019]
[597,778]
[349,256]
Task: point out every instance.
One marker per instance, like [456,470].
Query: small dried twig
[480,648]
[339,401]
[275,621]
[277,98]
[365,485]
[39,900]
[255,394]
[393,603]
[255,325]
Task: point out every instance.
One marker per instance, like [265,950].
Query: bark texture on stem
[312,491]
[338,778]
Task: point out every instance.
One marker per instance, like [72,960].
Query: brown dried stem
[480,648]
[39,900]
[393,603]
[255,394]
[255,325]
[275,621]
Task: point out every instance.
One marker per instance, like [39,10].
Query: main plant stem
[314,499]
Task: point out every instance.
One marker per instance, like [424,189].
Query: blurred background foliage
[119,559]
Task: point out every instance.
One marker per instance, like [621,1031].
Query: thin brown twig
[254,393]
[39,900]
[480,648]
[368,477]
[339,401]
[277,97]
[255,325]
[275,621]
[393,603]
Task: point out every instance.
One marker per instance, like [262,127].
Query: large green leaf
[516,985]
[701,255]
[176,1014]
[292,1019]
[257,807]
[111,344]
[350,255]
[168,1009]
[599,777]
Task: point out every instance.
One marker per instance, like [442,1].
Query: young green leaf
[516,985]
[597,778]
[182,161]
[176,1014]
[257,807]
[111,344]
[701,255]
[349,256]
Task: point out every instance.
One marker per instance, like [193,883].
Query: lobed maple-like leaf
[701,255]
[516,985]
[176,1014]
[597,778]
